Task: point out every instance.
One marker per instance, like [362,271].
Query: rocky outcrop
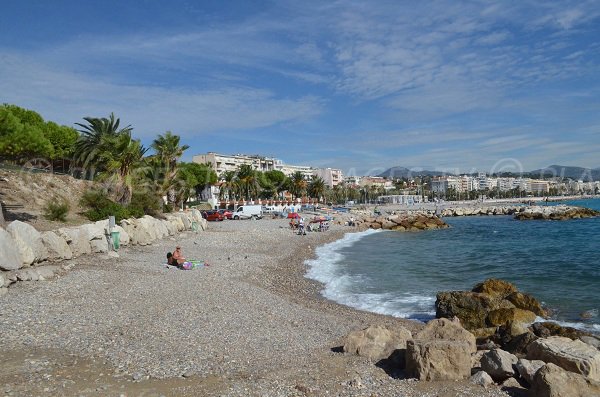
[546,329]
[528,368]
[553,381]
[558,212]
[571,355]
[378,342]
[488,306]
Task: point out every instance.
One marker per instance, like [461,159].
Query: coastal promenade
[250,324]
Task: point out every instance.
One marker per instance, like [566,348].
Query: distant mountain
[403,172]
[575,173]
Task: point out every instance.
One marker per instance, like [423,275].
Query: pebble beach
[248,324]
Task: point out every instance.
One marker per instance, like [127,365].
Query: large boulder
[139,232]
[499,364]
[10,256]
[96,235]
[444,329]
[546,329]
[495,287]
[77,239]
[527,302]
[571,355]
[378,342]
[509,316]
[28,241]
[470,307]
[553,381]
[57,246]
[438,359]
[187,222]
[528,368]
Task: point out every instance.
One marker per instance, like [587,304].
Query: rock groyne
[555,212]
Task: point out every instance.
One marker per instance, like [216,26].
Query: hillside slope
[35,190]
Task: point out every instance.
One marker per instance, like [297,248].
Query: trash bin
[194,226]
[116,239]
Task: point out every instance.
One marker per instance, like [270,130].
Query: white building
[222,163]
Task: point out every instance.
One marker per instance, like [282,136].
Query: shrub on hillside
[100,207]
[56,210]
[144,204]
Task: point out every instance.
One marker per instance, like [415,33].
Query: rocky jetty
[28,255]
[555,213]
[517,358]
[481,210]
[402,222]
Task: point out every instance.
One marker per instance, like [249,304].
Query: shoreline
[249,324]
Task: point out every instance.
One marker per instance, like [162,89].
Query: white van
[248,212]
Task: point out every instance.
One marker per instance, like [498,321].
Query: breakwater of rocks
[28,255]
[557,212]
[402,222]
[542,359]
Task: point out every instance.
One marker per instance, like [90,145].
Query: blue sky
[361,86]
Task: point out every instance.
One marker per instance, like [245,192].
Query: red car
[213,216]
[226,213]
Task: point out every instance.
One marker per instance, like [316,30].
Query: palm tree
[297,184]
[94,140]
[169,152]
[121,165]
[228,185]
[246,177]
[316,188]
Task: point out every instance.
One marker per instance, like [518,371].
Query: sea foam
[326,268]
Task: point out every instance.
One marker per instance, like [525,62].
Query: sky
[458,86]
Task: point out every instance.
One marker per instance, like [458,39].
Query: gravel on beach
[248,324]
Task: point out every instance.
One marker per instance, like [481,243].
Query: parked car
[226,213]
[248,212]
[214,216]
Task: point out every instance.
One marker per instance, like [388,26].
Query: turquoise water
[399,274]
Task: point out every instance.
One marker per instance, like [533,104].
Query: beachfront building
[539,186]
[331,176]
[290,170]
[222,163]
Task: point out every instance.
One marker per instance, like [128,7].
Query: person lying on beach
[178,258]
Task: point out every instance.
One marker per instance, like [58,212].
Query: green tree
[297,184]
[247,179]
[122,165]
[168,152]
[228,185]
[21,134]
[96,139]
[316,188]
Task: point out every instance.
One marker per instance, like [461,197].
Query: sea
[399,274]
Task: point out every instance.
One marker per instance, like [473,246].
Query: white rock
[10,257]
[57,246]
[78,240]
[29,242]
[481,378]
[571,355]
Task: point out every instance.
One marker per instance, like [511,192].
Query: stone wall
[25,253]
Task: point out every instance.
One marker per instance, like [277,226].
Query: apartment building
[331,176]
[222,163]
